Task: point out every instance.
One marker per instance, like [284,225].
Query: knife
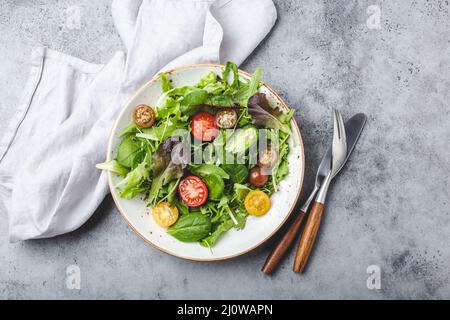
[353,129]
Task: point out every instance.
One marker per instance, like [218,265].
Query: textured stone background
[390,207]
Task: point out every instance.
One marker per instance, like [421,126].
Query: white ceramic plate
[234,242]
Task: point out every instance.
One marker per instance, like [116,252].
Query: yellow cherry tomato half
[164,214]
[257,203]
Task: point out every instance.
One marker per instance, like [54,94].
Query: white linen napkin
[48,181]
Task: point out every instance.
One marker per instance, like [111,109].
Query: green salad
[206,156]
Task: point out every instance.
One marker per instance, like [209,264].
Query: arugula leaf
[251,88]
[219,230]
[254,84]
[166,85]
[227,218]
[169,191]
[241,217]
[283,170]
[163,130]
[167,106]
[182,207]
[231,70]
[113,166]
[191,227]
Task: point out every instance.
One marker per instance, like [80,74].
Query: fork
[338,155]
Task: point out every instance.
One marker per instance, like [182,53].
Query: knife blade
[353,129]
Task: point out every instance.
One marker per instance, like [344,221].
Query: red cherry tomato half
[193,191]
[204,126]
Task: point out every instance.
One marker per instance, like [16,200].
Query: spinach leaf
[237,172]
[113,166]
[130,152]
[191,227]
[215,185]
[205,169]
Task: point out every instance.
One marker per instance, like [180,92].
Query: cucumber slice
[241,140]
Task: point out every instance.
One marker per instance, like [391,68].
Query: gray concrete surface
[390,207]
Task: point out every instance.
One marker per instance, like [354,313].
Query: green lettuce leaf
[130,152]
[134,180]
[113,166]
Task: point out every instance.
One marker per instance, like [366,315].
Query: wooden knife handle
[278,252]
[308,236]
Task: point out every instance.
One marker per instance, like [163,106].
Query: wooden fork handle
[308,236]
[278,252]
